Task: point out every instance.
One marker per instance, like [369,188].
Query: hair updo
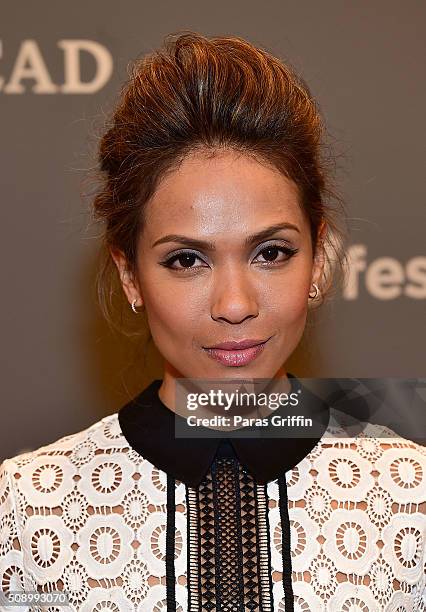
[209,94]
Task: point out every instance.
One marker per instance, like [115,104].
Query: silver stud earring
[316,292]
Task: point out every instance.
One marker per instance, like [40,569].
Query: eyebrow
[210,246]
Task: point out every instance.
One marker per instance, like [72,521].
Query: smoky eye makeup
[273,253]
[274,245]
[184,255]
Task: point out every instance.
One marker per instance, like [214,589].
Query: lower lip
[236,358]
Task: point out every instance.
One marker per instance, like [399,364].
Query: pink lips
[236,353]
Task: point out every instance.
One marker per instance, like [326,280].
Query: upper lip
[237,345]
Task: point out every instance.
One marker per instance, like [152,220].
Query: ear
[319,259]
[129,283]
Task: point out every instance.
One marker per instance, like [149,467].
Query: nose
[234,298]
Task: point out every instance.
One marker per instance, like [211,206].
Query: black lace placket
[229,563]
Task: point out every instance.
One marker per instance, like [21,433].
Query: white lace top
[88,515]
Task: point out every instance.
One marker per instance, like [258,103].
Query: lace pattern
[227,515]
[89,516]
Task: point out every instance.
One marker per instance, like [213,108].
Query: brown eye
[186,260]
[271,254]
[182,261]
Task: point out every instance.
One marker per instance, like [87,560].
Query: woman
[219,227]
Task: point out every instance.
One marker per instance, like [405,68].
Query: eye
[271,254]
[186,259]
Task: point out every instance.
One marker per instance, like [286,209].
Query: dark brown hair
[209,94]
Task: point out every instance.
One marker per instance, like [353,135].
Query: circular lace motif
[21,504]
[82,453]
[379,506]
[403,474]
[76,582]
[303,539]
[74,510]
[152,538]
[344,473]
[11,573]
[135,508]
[46,480]
[49,546]
[318,503]
[350,540]
[105,545]
[105,480]
[323,576]
[369,448]
[404,547]
[7,533]
[381,581]
[135,581]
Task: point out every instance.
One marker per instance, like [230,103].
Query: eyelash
[289,251]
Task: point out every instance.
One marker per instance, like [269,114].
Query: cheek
[170,312]
[289,297]
[295,304]
[290,318]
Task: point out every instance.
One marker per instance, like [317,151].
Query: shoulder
[371,442]
[58,485]
[94,467]
[79,489]
[103,433]
[374,460]
[367,435]
[46,468]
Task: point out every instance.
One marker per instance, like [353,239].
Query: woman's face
[225,255]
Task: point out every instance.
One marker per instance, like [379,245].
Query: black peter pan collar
[148,425]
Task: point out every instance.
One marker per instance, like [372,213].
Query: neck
[167,390]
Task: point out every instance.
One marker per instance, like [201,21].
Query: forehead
[227,193]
